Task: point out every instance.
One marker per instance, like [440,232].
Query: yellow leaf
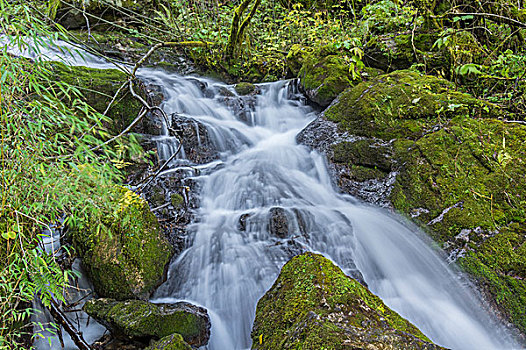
[261,339]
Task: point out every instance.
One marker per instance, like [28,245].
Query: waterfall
[228,266]
[234,255]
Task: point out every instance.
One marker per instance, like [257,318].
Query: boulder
[123,251]
[142,320]
[323,76]
[314,305]
[403,104]
[245,88]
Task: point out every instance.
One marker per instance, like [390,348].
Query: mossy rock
[177,200]
[123,252]
[140,320]
[314,305]
[470,175]
[245,88]
[324,75]
[460,172]
[402,104]
[98,87]
[296,57]
[398,51]
[171,342]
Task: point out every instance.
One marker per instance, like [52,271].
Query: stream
[232,257]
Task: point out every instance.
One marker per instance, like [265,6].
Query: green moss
[499,265]
[177,200]
[314,305]
[171,342]
[124,252]
[98,87]
[141,319]
[245,88]
[402,104]
[397,51]
[323,78]
[455,161]
[296,57]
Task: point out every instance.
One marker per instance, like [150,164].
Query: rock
[177,200]
[137,319]
[313,305]
[198,146]
[402,104]
[123,252]
[171,342]
[391,52]
[98,87]
[323,74]
[245,88]
[278,222]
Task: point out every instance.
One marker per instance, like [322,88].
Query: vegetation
[50,175]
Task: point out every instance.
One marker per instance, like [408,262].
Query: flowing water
[232,258]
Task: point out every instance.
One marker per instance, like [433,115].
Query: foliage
[47,133]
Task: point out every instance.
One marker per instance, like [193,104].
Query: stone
[314,305]
[123,252]
[140,320]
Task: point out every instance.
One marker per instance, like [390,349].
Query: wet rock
[198,146]
[313,305]
[123,252]
[242,223]
[245,88]
[278,222]
[171,342]
[242,106]
[141,320]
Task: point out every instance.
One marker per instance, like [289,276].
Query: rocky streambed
[401,140]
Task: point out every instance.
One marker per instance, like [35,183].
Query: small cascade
[264,198]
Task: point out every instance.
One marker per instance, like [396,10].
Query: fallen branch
[164,165]
[75,335]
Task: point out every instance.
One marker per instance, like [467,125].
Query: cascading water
[233,258]
[233,255]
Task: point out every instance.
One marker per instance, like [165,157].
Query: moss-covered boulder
[314,305]
[391,52]
[98,87]
[141,320]
[171,342]
[467,181]
[324,75]
[448,161]
[123,250]
[245,88]
[402,104]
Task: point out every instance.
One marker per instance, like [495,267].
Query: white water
[227,270]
